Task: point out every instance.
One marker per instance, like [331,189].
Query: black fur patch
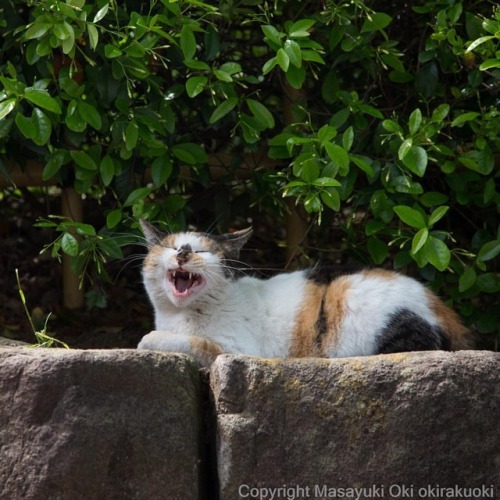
[407,331]
[325,275]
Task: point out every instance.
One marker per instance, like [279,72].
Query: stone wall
[142,425]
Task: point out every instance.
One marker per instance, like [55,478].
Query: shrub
[380,120]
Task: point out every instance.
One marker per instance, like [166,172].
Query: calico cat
[203,309]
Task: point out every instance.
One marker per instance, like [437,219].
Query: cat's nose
[184,254]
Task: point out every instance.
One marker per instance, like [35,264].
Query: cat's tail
[459,336]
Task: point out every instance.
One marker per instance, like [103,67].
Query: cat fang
[184,283]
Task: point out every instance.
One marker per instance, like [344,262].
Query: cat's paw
[204,351]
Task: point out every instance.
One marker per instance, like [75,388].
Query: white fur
[248,315]
[370,301]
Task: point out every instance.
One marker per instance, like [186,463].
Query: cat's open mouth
[184,283]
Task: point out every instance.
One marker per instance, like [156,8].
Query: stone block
[117,424]
[321,428]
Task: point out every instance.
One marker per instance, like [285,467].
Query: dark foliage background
[378,119]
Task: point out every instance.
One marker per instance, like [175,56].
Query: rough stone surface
[417,420]
[98,425]
[11,343]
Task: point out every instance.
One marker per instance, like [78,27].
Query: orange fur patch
[458,335]
[150,261]
[204,350]
[320,318]
[303,342]
[335,309]
[379,272]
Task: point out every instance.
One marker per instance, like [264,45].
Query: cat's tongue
[183,283]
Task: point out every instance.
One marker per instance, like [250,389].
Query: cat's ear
[233,242]
[153,235]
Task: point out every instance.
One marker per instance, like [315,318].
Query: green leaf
[294,53]
[326,182]
[326,133]
[373,226]
[488,283]
[68,44]
[410,216]
[195,85]
[467,280]
[440,113]
[310,170]
[223,109]
[339,156]
[437,253]
[250,127]
[377,250]
[465,117]
[69,244]
[101,13]
[331,198]
[89,114]
[416,160]
[261,113]
[188,42]
[83,160]
[489,64]
[43,127]
[377,21]
[419,240]
[6,107]
[269,65]
[489,251]
[131,135]
[93,36]
[272,34]
[283,60]
[53,165]
[25,125]
[84,229]
[437,215]
[61,31]
[136,195]
[223,76]
[107,170]
[312,56]
[190,153]
[161,169]
[111,52]
[37,30]
[299,29]
[348,138]
[43,100]
[363,163]
[415,121]
[392,126]
[113,218]
[433,199]
[479,41]
[197,65]
[231,67]
[405,147]
[312,203]
[296,76]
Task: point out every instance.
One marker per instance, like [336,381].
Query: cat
[203,309]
